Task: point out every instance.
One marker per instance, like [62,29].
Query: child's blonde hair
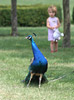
[53,8]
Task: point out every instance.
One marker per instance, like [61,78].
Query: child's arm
[48,25]
[58,23]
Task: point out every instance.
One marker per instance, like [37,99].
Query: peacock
[38,66]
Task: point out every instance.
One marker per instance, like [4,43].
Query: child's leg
[52,46]
[56,46]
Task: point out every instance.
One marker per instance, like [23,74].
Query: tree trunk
[66,12]
[14,17]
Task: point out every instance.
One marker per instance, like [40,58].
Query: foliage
[32,15]
[5,18]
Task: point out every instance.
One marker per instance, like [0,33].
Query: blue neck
[36,52]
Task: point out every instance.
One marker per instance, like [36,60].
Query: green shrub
[5,18]
[33,15]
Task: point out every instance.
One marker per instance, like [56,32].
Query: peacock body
[39,64]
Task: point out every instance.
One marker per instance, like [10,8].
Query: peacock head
[29,37]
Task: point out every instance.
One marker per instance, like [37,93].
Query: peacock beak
[26,37]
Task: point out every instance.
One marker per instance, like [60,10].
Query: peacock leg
[32,60]
[40,78]
[30,79]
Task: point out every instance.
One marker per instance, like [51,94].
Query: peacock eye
[29,37]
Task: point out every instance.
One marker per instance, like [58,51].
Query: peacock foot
[39,86]
[27,85]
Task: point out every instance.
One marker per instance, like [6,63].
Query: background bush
[32,15]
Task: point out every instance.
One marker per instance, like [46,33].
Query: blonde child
[52,23]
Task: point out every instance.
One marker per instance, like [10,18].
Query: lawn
[15,55]
[32,2]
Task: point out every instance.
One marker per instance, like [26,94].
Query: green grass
[32,2]
[29,2]
[15,55]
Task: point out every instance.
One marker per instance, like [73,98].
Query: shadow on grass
[5,34]
[51,75]
[35,82]
[60,73]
